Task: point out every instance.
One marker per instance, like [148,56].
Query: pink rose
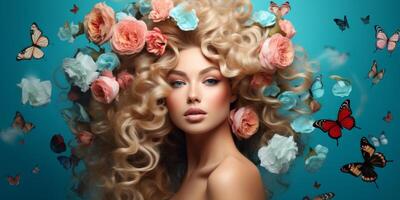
[105,88]
[160,10]
[124,79]
[84,137]
[98,23]
[244,121]
[287,27]
[129,36]
[276,52]
[260,79]
[156,42]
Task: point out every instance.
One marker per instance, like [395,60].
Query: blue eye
[177,84]
[211,81]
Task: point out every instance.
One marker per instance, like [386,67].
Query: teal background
[313,20]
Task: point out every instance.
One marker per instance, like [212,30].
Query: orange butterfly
[375,75]
[13,180]
[19,122]
[38,41]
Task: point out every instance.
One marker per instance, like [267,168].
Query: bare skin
[216,169]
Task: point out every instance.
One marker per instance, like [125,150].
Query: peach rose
[99,22]
[129,36]
[276,52]
[244,121]
[105,88]
[260,79]
[287,27]
[156,42]
[160,10]
[124,79]
[84,137]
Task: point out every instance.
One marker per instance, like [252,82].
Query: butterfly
[324,196]
[381,140]
[68,162]
[279,10]
[19,122]
[344,120]
[382,40]
[13,180]
[316,185]
[38,41]
[317,88]
[371,159]
[57,144]
[74,9]
[388,117]
[36,169]
[374,74]
[365,19]
[342,24]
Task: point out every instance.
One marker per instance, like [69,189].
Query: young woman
[190,122]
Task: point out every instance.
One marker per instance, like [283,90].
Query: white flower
[68,31]
[36,92]
[314,163]
[81,70]
[303,124]
[278,154]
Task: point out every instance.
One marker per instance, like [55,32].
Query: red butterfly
[74,9]
[388,117]
[344,120]
[13,180]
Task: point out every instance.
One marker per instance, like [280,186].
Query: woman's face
[200,97]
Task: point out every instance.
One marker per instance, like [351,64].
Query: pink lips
[194,114]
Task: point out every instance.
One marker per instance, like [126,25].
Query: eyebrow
[181,73]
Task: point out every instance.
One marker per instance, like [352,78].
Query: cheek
[173,103]
[219,98]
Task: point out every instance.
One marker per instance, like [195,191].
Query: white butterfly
[382,140]
[38,41]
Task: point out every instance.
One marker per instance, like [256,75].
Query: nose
[193,95]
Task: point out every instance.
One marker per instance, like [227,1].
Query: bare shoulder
[235,178]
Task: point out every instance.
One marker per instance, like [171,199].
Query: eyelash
[207,82]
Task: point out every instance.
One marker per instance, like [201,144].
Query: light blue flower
[272,90]
[144,6]
[288,100]
[107,61]
[68,31]
[315,162]
[35,91]
[81,70]
[303,124]
[74,114]
[342,88]
[186,19]
[262,17]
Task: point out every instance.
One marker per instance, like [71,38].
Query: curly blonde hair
[137,152]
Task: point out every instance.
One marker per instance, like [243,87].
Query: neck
[209,149]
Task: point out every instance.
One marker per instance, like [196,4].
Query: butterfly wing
[19,121]
[330,126]
[13,180]
[374,69]
[378,160]
[381,38]
[365,19]
[352,168]
[64,161]
[37,37]
[344,116]
[367,149]
[392,43]
[340,23]
[325,196]
[284,9]
[26,54]
[28,127]
[378,77]
[37,53]
[368,174]
[317,90]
